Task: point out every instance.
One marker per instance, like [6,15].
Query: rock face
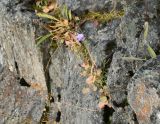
[143,95]
[67,83]
[133,85]
[85,5]
[129,37]
[22,81]
[124,116]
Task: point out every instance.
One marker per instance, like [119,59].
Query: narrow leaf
[151,51]
[132,58]
[63,11]
[66,12]
[44,15]
[70,15]
[146,25]
[43,38]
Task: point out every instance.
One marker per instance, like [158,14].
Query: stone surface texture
[30,75]
[143,95]
[23,88]
[84,5]
[68,83]
[129,39]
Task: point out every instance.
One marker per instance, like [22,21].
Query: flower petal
[80,37]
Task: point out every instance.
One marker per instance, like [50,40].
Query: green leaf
[44,15]
[151,51]
[66,12]
[43,38]
[146,25]
[62,11]
[69,14]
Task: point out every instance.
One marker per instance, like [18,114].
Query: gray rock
[129,38]
[66,80]
[124,116]
[118,77]
[23,88]
[101,40]
[19,104]
[67,85]
[143,93]
[84,5]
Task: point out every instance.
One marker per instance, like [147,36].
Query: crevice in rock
[59,97]
[138,34]
[46,64]
[52,99]
[135,118]
[124,39]
[59,94]
[45,48]
[123,104]
[158,50]
[27,5]
[24,83]
[111,47]
[58,117]
[107,113]
[158,9]
[78,13]
[22,5]
[17,68]
[130,73]
[44,117]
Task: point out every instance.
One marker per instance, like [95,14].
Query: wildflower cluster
[62,26]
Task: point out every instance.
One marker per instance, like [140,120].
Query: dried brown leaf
[98,72]
[37,86]
[45,9]
[52,6]
[101,105]
[85,65]
[91,79]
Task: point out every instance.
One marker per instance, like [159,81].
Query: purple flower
[80,37]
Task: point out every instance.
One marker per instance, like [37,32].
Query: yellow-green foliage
[151,51]
[104,16]
[60,27]
[149,48]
